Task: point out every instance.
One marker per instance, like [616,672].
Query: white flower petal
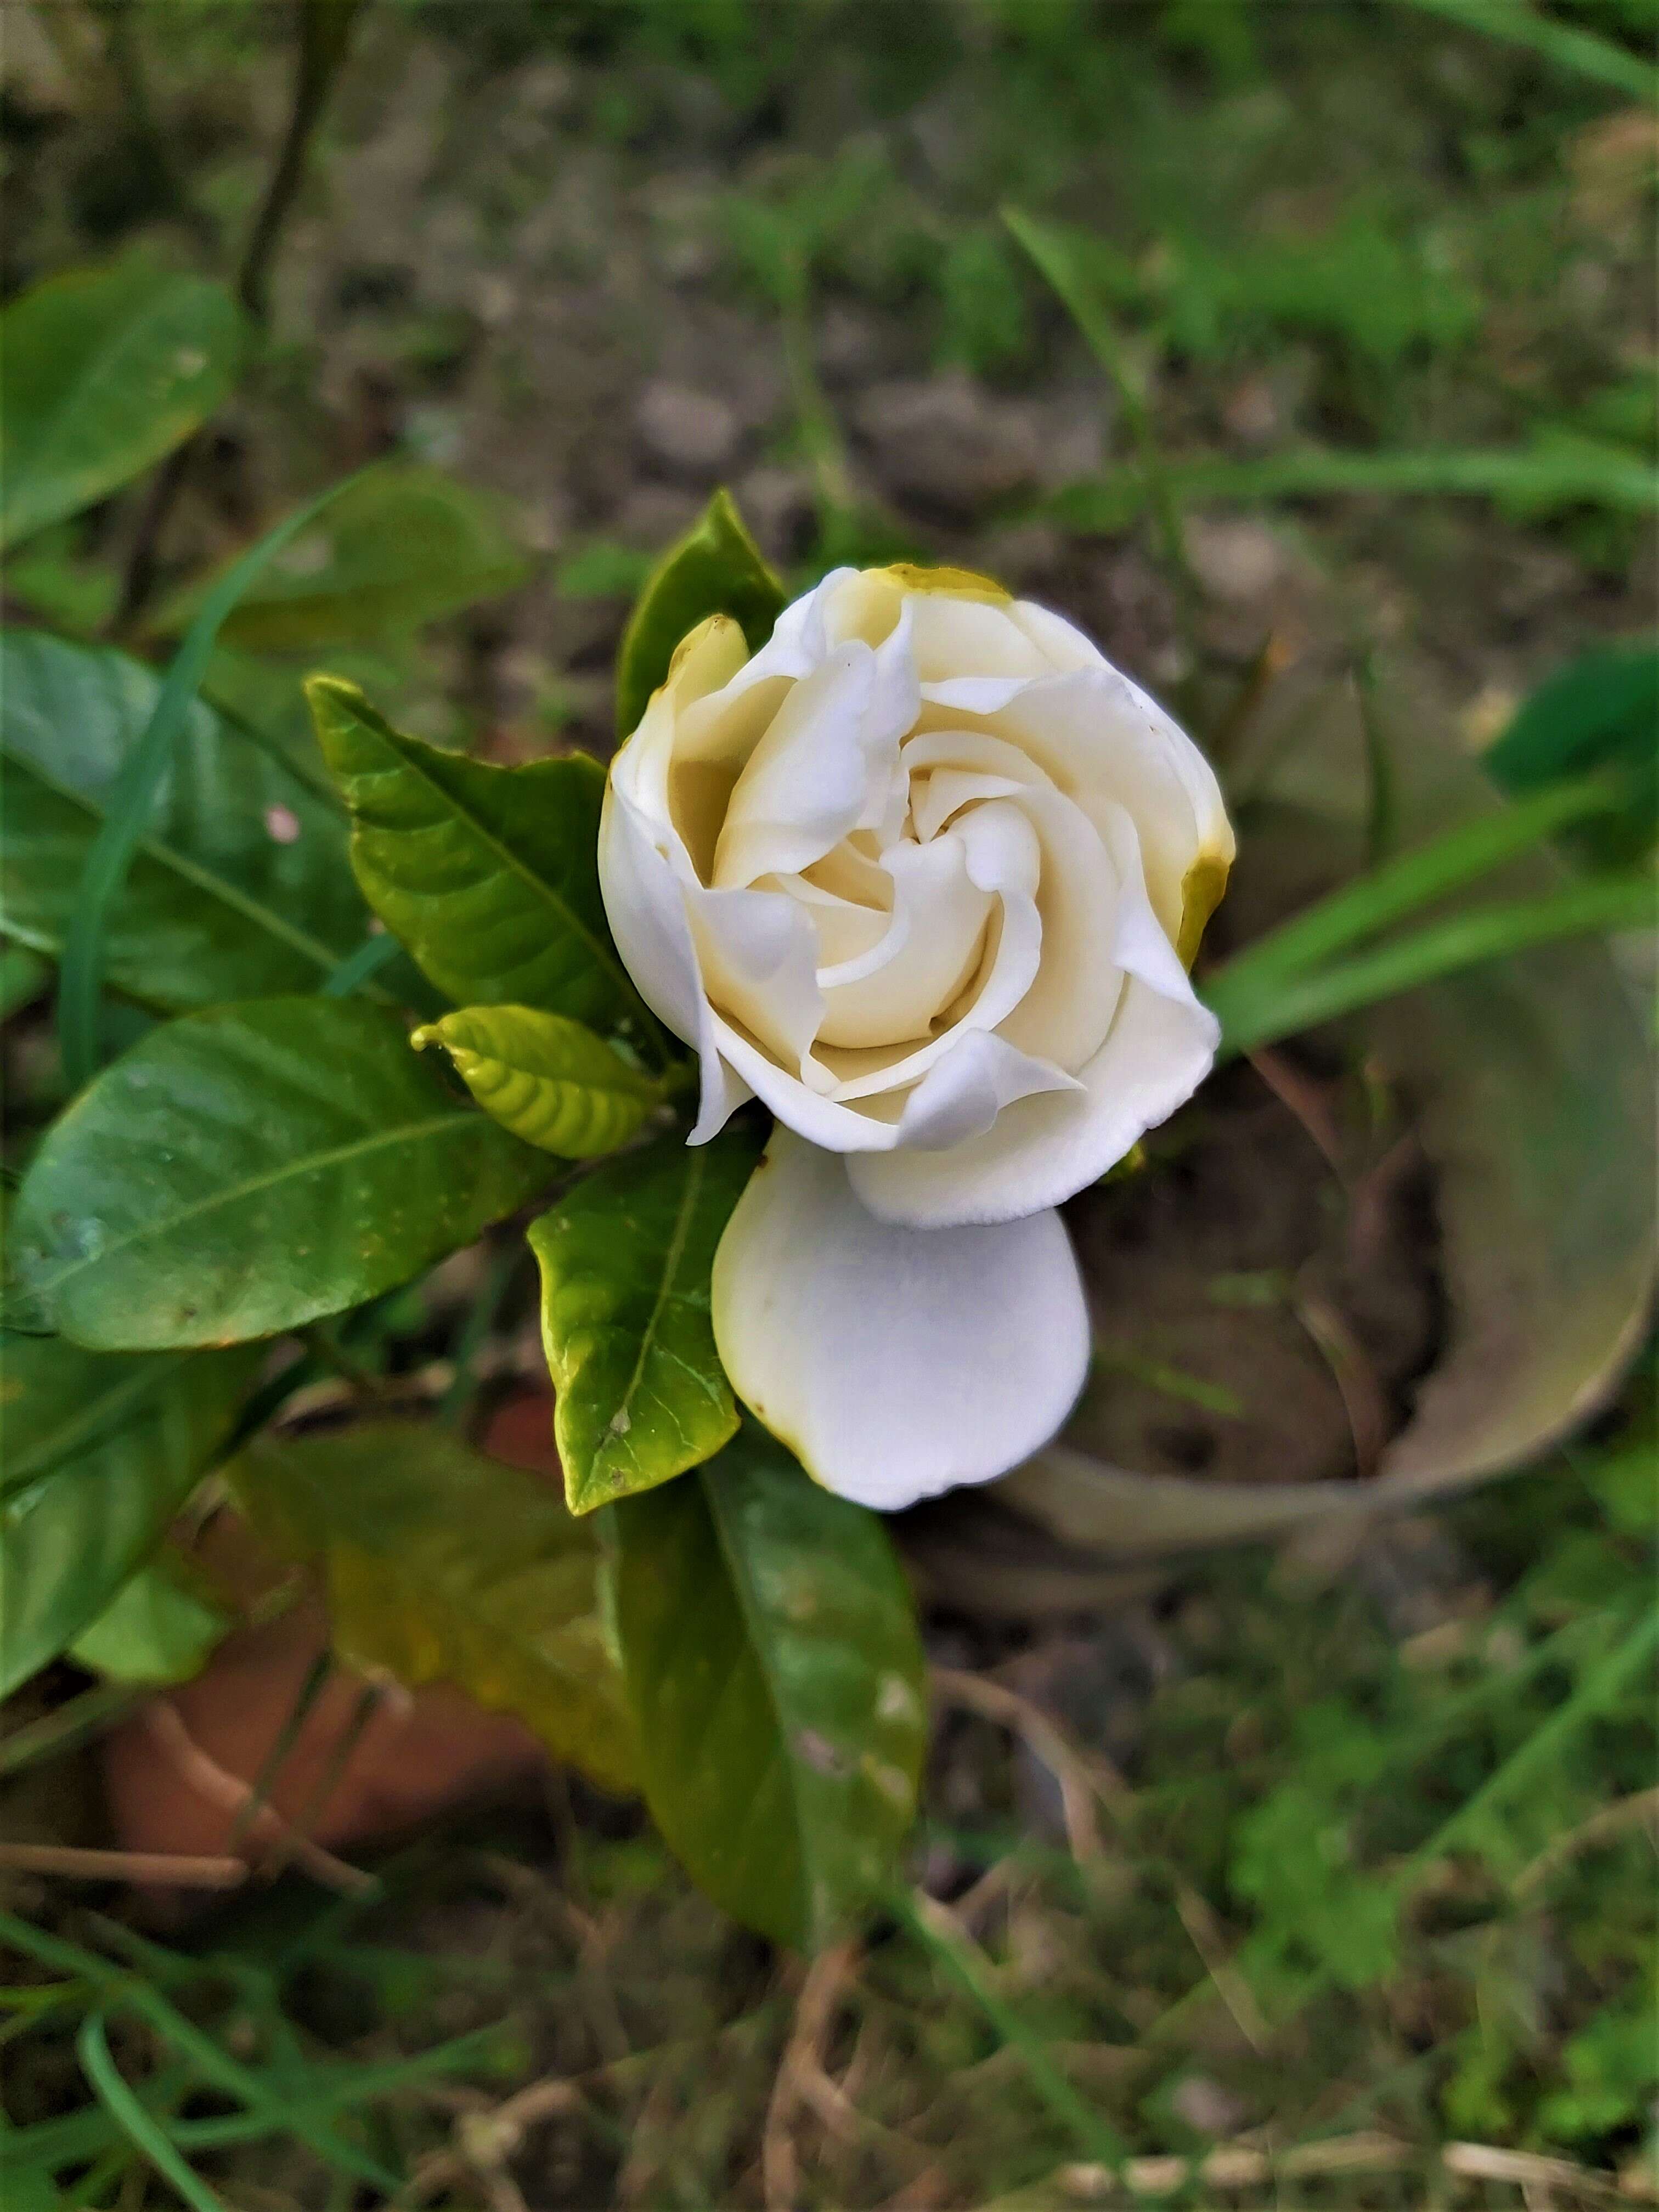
[645,908]
[1062,644]
[927,956]
[894,1362]
[969,637]
[1041,1149]
[758,953]
[961,1094]
[1002,857]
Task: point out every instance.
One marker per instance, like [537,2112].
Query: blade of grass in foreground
[214,2065]
[1094,2136]
[1569,46]
[139,2126]
[1255,1010]
[1415,879]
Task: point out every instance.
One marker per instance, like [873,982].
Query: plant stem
[324,29]
[325,35]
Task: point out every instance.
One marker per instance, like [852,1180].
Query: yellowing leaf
[444,1565]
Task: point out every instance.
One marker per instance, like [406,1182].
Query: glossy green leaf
[488,874]
[444,1566]
[405,545]
[1598,714]
[132,797]
[548,1079]
[240,885]
[102,371]
[716,569]
[625,1260]
[24,976]
[163,1626]
[774,1667]
[100,1454]
[244,1171]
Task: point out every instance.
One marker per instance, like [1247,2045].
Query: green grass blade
[1544,477]
[371,956]
[1051,254]
[213,2064]
[1255,1010]
[91,2046]
[1400,886]
[1632,1652]
[1094,2136]
[122,826]
[1569,45]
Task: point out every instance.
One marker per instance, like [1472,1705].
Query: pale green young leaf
[444,1566]
[625,1260]
[488,874]
[403,545]
[716,569]
[163,1626]
[240,885]
[101,1454]
[244,1171]
[102,371]
[549,1079]
[775,1675]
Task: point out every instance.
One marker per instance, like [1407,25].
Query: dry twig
[1075,1776]
[803,2056]
[178,1870]
[204,1775]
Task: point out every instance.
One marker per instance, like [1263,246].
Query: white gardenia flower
[924,875]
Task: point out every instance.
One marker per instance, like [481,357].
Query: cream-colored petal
[758,954]
[1062,644]
[892,992]
[645,905]
[1041,1149]
[806,782]
[893,1362]
[961,1094]
[1003,856]
[1065,1015]
[969,637]
[823,1120]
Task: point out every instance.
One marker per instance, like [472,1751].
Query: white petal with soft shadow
[926,958]
[961,1094]
[893,1362]
[646,909]
[1041,1149]
[758,954]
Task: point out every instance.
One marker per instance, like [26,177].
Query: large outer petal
[646,909]
[893,1362]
